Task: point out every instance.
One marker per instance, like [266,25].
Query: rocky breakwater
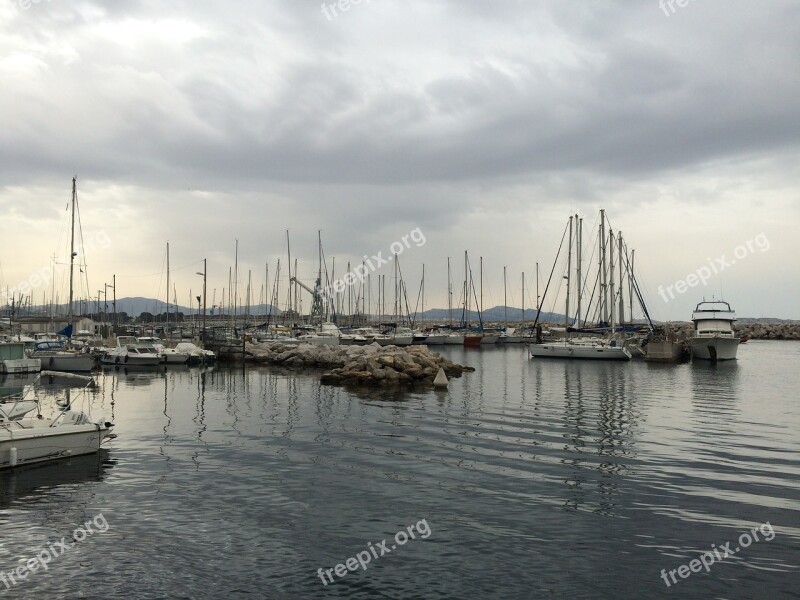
[360,365]
[756,331]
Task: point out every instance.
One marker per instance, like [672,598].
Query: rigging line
[539,310]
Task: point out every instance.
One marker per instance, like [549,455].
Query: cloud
[484,124]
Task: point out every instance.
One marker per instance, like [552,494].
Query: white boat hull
[41,444]
[132,361]
[714,348]
[454,340]
[435,340]
[76,363]
[395,340]
[581,352]
[489,338]
[20,365]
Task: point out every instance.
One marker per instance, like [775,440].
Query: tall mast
[449,294]
[601,239]
[249,291]
[630,284]
[466,291]
[480,309]
[611,273]
[523,298]
[166,327]
[422,314]
[579,252]
[235,282]
[72,252]
[289,262]
[505,299]
[621,290]
[569,269]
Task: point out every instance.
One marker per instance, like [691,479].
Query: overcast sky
[485,124]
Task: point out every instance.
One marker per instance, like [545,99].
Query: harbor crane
[317,307]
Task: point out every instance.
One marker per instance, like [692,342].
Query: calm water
[535,480]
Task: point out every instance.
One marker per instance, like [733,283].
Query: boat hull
[43,444]
[574,352]
[454,340]
[20,365]
[714,348]
[78,363]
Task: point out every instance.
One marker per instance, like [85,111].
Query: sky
[480,126]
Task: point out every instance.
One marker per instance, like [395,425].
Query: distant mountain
[497,314]
[138,305]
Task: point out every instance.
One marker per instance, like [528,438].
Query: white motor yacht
[713,338]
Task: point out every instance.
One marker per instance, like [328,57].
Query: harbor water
[531,479]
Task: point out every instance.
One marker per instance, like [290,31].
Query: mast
[466,291]
[289,289]
[523,298]
[630,285]
[611,273]
[249,291]
[422,314]
[235,282]
[230,288]
[579,248]
[363,295]
[480,309]
[72,252]
[349,298]
[166,327]
[505,300]
[602,266]
[621,289]
[569,268]
[449,295]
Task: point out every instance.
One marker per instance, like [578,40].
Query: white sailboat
[579,348]
[55,356]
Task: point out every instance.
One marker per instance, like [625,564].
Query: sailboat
[55,355]
[579,347]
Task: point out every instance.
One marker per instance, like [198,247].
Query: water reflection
[26,483]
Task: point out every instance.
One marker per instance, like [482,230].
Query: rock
[373,364]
